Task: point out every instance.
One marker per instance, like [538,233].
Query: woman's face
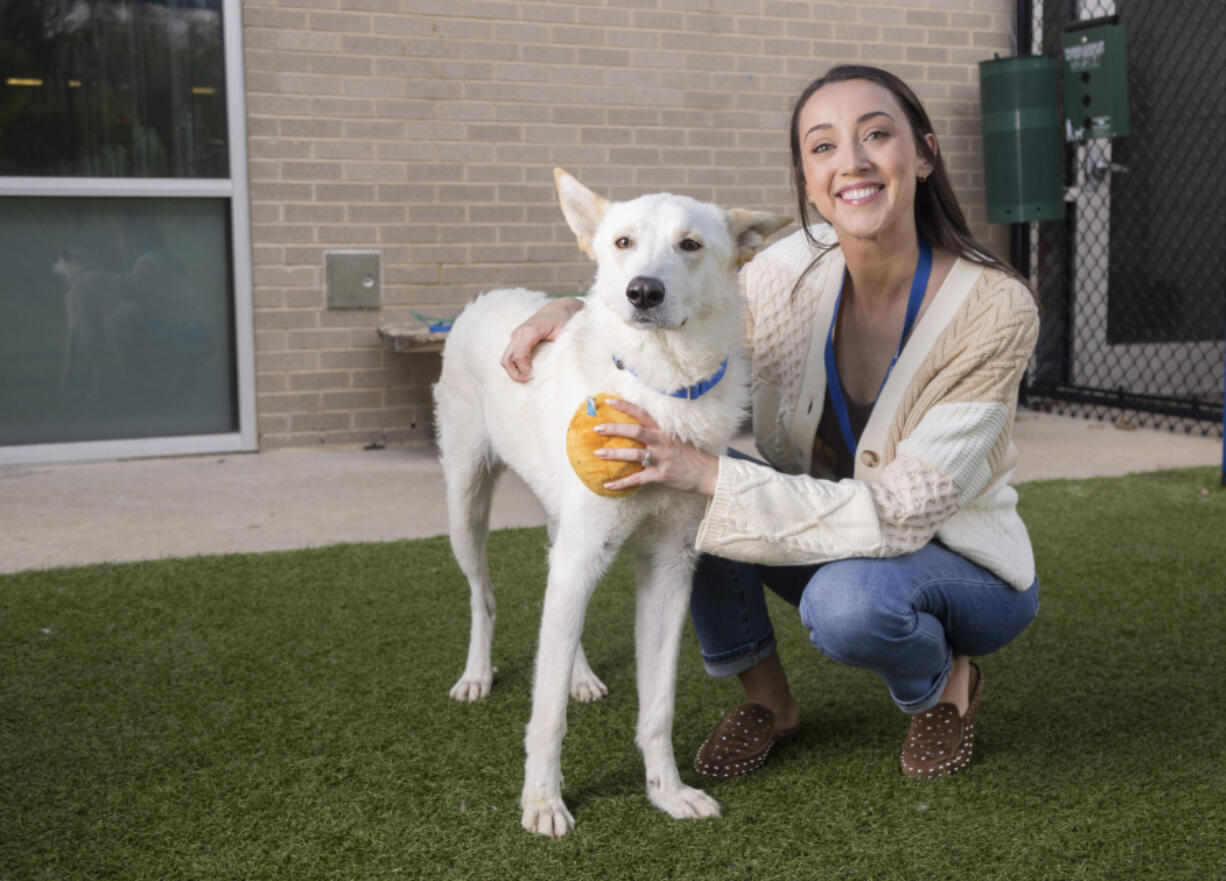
[860,160]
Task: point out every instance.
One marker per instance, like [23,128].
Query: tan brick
[373,5]
[311,128]
[487,51]
[547,12]
[288,403]
[970,20]
[352,65]
[761,26]
[256,17]
[950,73]
[377,378]
[928,18]
[263,61]
[861,33]
[353,44]
[405,150]
[585,36]
[937,54]
[305,298]
[907,35]
[268,148]
[306,422]
[605,17]
[787,9]
[271,425]
[353,400]
[340,21]
[942,37]
[313,213]
[656,20]
[363,358]
[521,32]
[811,30]
[331,379]
[317,339]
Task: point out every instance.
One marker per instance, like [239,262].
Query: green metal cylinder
[1022,143]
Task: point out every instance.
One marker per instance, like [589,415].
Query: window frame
[235,189]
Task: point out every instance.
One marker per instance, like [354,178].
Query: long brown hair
[938,217]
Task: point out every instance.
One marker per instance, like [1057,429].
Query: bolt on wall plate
[353,280]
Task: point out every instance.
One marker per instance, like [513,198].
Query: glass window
[116,319]
[112,88]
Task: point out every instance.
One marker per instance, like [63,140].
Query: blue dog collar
[690,392]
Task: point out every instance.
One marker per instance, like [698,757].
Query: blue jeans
[903,617]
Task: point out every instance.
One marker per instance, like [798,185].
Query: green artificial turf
[286,716]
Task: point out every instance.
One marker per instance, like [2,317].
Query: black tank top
[831,458]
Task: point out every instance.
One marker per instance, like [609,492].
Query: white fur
[485,421]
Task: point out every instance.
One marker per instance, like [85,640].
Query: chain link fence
[1132,282]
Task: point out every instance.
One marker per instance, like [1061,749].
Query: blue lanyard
[919,283]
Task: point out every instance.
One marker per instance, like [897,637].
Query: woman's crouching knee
[846,619]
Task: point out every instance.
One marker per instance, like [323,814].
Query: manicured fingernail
[600,429]
[601,452]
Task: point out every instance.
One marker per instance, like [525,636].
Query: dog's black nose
[644,292]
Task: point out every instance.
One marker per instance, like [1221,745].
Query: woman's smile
[860,194]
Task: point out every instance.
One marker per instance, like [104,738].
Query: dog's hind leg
[664,573]
[585,685]
[470,470]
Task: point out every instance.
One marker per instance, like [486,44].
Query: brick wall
[428,130]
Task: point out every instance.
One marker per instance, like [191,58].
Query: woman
[887,348]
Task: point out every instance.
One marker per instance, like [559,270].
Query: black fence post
[1023,27]
[1019,233]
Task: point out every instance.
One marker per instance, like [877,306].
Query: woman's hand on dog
[669,462]
[544,326]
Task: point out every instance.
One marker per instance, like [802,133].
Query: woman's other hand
[664,459]
[543,326]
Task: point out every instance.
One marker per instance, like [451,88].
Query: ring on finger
[646,457]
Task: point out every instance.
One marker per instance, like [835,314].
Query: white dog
[663,316]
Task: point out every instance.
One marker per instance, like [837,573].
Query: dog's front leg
[664,576]
[575,566]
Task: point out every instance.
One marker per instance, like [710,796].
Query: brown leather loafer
[741,742]
[940,741]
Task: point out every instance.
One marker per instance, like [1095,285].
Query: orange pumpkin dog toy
[582,441]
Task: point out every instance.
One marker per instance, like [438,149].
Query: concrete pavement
[66,515]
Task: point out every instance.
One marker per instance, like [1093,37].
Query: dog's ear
[751,229]
[582,208]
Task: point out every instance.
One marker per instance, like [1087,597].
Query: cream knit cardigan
[936,455]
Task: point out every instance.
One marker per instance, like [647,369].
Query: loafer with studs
[741,742]
[940,741]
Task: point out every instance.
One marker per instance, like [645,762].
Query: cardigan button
[869,458]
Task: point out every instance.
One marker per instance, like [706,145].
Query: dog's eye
[690,245]
[623,243]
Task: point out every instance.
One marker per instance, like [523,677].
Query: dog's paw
[684,802]
[587,688]
[472,688]
[547,817]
